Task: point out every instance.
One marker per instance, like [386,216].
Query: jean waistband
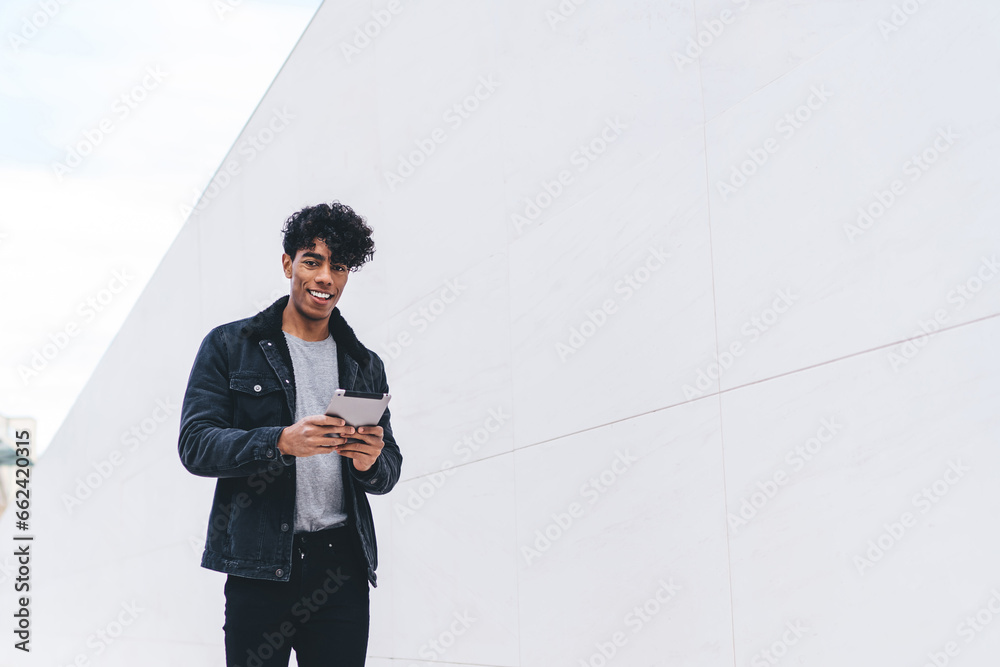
[337,533]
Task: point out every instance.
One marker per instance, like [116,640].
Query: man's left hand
[362,454]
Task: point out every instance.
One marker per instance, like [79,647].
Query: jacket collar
[267,325]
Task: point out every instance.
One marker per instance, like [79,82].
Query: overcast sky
[113,117]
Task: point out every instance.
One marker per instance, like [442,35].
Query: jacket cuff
[367,475]
[271,452]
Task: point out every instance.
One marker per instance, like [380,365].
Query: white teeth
[320,294]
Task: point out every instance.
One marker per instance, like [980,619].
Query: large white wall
[693,517]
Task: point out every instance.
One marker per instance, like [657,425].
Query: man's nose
[325,275]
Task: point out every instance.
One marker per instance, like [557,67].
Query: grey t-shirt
[319,492]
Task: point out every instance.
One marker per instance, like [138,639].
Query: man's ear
[286,263]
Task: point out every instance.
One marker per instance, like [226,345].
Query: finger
[351,454]
[371,430]
[373,441]
[323,449]
[354,449]
[327,444]
[344,432]
[336,431]
[326,420]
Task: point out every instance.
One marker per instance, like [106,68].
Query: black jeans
[321,611]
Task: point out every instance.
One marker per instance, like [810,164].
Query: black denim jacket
[240,395]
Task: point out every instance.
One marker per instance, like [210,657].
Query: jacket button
[284,526]
[270,453]
[278,572]
[256,387]
[286,381]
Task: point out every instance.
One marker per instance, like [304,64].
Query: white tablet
[358,408]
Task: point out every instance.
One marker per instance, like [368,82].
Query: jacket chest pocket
[257,400]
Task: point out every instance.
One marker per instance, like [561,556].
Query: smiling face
[317,281]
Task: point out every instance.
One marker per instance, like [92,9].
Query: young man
[290,522]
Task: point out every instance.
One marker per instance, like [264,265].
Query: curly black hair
[338,226]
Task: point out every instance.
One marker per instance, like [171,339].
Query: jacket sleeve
[383,475]
[208,444]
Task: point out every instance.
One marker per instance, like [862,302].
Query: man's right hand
[316,434]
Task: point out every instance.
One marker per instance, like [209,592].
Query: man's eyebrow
[322,258]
